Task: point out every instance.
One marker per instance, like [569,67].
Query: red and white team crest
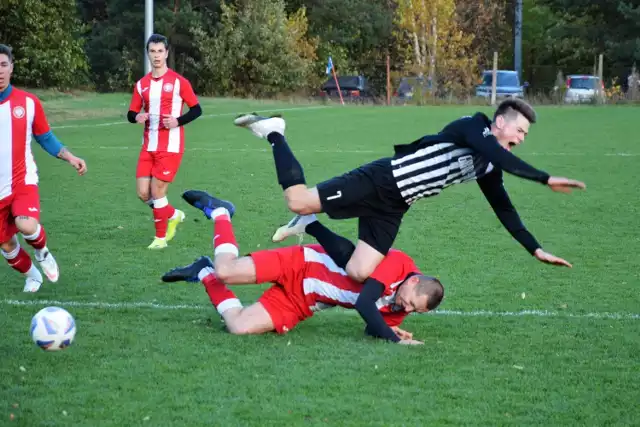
[168,87]
[18,112]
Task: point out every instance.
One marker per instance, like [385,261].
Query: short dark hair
[433,288]
[158,38]
[515,105]
[6,50]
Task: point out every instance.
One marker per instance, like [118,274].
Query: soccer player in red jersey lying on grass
[305,278]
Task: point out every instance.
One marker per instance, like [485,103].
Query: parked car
[583,88]
[353,88]
[507,85]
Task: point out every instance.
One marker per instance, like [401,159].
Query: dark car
[352,88]
[507,85]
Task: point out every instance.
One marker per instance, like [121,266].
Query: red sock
[221,296]
[19,260]
[224,240]
[161,216]
[38,240]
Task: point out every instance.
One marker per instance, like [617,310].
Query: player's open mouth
[512,144]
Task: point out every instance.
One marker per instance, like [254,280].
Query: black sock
[338,248]
[288,168]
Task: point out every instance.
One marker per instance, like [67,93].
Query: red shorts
[285,301]
[158,164]
[24,201]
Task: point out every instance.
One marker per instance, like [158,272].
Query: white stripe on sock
[205,272]
[227,304]
[226,248]
[160,203]
[220,211]
[11,255]
[35,235]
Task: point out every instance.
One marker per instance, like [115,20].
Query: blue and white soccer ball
[53,328]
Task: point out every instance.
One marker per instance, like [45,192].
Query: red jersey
[21,117]
[159,96]
[324,284]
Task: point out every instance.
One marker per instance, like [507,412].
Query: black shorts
[371,194]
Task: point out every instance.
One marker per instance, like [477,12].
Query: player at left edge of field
[21,118]
[157,103]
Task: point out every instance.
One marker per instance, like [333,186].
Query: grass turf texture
[175,366]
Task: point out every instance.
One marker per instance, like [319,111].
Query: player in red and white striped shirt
[157,102]
[21,118]
[306,280]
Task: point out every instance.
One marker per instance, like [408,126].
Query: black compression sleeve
[131,116]
[495,193]
[366,305]
[193,113]
[477,137]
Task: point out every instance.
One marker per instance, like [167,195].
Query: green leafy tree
[45,37]
[257,51]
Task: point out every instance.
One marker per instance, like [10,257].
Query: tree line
[265,48]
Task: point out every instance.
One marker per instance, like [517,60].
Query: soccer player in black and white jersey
[381,192]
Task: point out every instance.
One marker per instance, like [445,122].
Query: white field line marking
[125,122]
[457,313]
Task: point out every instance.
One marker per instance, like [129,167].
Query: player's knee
[298,206]
[302,203]
[144,195]
[240,327]
[358,272]
[9,246]
[27,225]
[225,272]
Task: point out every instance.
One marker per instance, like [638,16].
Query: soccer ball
[53,328]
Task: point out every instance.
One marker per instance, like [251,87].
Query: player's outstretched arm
[372,290]
[495,193]
[401,333]
[548,258]
[474,132]
[564,185]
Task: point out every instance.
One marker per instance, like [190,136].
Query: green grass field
[515,342]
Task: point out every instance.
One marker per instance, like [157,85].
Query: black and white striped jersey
[434,167]
[465,150]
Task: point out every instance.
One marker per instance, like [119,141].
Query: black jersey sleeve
[475,132]
[372,290]
[493,189]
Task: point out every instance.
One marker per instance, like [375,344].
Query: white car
[583,88]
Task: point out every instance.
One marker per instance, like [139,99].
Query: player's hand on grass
[78,164]
[169,121]
[142,117]
[410,342]
[551,259]
[564,185]
[401,333]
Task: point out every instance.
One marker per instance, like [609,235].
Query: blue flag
[329,66]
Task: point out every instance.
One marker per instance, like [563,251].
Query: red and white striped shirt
[159,96]
[325,285]
[21,117]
